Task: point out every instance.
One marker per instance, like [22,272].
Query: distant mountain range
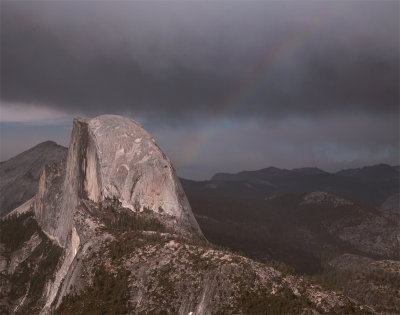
[380,170]
[370,185]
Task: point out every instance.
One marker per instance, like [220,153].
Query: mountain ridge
[19,175]
[310,170]
[370,184]
[97,249]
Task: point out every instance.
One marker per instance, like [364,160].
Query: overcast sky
[221,85]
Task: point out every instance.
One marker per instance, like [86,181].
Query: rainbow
[253,81]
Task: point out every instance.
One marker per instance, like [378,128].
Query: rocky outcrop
[124,162]
[49,200]
[28,261]
[19,176]
[111,157]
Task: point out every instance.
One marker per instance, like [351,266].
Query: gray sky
[222,85]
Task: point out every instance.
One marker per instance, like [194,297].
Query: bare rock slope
[111,157]
[19,176]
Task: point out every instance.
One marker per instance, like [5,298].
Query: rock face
[124,162]
[111,157]
[19,176]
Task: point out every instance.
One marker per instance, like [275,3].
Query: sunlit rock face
[109,157]
[112,157]
[123,162]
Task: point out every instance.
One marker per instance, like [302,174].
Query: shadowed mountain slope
[19,176]
[302,230]
[369,185]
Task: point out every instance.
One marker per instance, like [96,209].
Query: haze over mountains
[370,185]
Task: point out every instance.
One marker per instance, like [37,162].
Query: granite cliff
[111,157]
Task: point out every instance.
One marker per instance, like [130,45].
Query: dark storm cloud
[281,83]
[182,59]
